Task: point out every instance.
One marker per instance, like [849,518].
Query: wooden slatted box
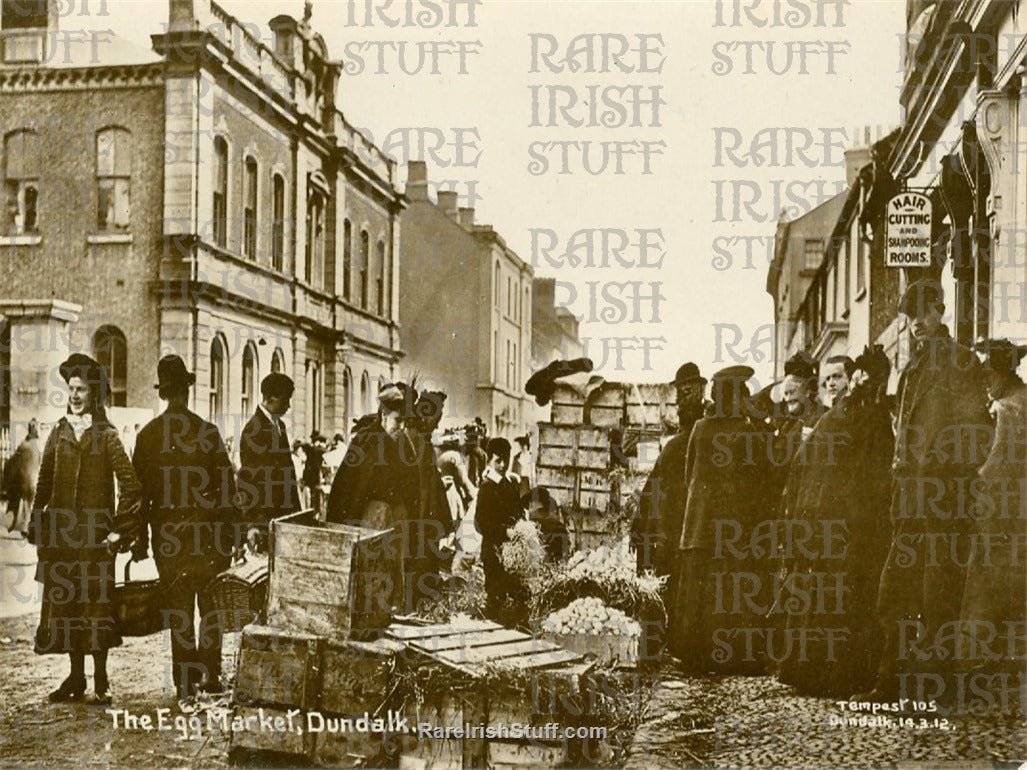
[278,667]
[652,404]
[332,579]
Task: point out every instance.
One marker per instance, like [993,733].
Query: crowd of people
[847,540]
[855,543]
[182,497]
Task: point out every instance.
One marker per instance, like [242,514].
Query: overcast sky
[837,72]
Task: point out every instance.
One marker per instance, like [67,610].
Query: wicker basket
[240,593]
[137,605]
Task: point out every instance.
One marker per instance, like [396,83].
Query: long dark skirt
[77,615]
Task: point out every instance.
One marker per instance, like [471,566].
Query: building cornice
[37,79]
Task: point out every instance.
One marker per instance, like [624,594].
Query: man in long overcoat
[943,434]
[267,475]
[995,599]
[189,504]
[378,484]
[724,470]
[661,509]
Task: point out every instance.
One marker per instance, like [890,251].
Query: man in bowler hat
[189,508]
[267,476]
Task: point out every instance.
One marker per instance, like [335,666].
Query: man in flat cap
[267,475]
[189,507]
[661,508]
[943,432]
[724,468]
[996,586]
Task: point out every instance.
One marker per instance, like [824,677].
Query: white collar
[268,414]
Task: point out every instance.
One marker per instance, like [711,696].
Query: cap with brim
[277,385]
[89,370]
[802,365]
[734,373]
[391,396]
[921,296]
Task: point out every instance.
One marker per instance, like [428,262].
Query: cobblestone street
[722,722]
[729,722]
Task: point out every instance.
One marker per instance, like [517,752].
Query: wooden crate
[278,667]
[605,406]
[651,404]
[347,749]
[576,446]
[473,651]
[357,675]
[331,579]
[568,405]
[561,483]
[285,741]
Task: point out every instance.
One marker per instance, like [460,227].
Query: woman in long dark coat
[73,515]
[724,471]
[841,481]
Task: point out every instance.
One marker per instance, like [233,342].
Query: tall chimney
[447,202]
[466,217]
[858,155]
[417,180]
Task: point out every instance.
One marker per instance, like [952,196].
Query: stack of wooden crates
[331,585]
[591,432]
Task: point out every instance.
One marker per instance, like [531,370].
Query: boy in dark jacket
[498,509]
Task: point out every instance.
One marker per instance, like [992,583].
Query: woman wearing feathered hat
[73,515]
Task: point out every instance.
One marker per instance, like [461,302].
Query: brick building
[466,310]
[205,198]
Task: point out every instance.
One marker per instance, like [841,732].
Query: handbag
[137,605]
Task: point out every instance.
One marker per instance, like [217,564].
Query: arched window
[220,205]
[365,394]
[21,182]
[365,249]
[218,389]
[250,368]
[249,213]
[496,288]
[278,222]
[347,260]
[347,401]
[113,179]
[315,380]
[278,361]
[111,351]
[379,266]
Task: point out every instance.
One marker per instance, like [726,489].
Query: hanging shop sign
[909,231]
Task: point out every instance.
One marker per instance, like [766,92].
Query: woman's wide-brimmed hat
[89,371]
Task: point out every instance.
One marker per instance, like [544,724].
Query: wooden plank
[541,659]
[469,639]
[496,652]
[402,632]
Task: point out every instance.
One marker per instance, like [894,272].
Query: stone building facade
[206,198]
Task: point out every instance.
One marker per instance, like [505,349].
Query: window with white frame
[111,351]
[113,179]
[278,222]
[220,202]
[249,214]
[21,182]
